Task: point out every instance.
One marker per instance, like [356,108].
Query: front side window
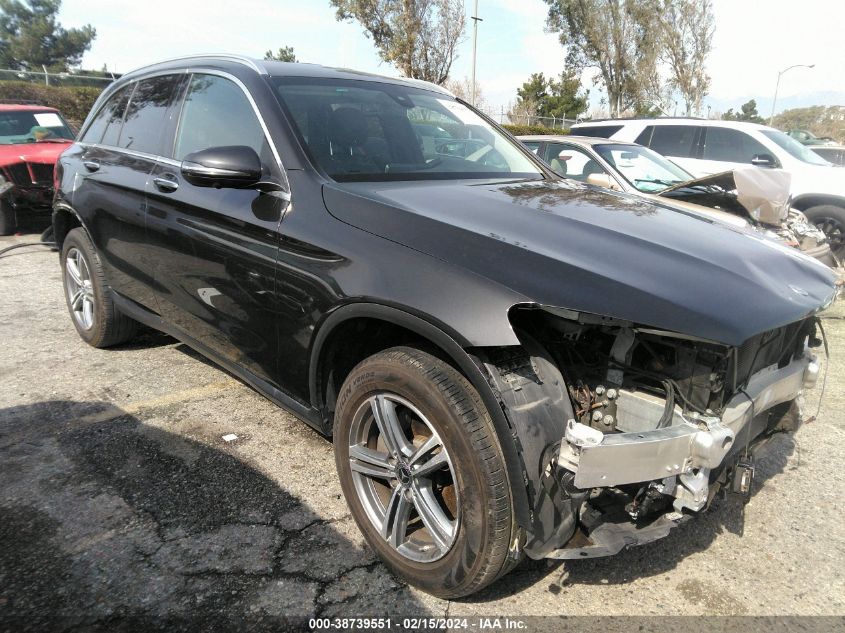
[673,140]
[646,170]
[217,113]
[26,126]
[372,131]
[794,148]
[145,114]
[730,146]
[572,162]
[109,116]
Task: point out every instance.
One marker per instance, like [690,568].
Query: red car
[31,139]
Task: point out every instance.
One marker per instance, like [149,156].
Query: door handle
[165,184]
[91,165]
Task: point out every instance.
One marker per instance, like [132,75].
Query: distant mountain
[764,104]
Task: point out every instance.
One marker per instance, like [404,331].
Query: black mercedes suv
[509,363]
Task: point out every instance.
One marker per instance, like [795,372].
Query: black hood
[577,247]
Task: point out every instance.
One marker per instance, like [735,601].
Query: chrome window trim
[171,161]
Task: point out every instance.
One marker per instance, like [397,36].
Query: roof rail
[239,59]
[641,118]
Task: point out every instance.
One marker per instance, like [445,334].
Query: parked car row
[761,202]
[510,363]
[705,147]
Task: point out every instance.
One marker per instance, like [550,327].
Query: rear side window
[145,116]
[600,131]
[217,113]
[109,118]
[730,146]
[673,140]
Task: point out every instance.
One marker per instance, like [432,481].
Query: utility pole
[475,20]
[777,85]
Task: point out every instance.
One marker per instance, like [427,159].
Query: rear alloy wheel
[423,472]
[97,320]
[831,220]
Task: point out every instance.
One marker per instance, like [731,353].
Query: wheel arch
[447,345]
[65,219]
[807,200]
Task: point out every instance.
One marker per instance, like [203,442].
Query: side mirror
[602,180]
[763,160]
[228,166]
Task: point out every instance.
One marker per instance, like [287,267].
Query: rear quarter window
[109,117]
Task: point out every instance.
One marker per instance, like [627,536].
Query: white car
[703,147]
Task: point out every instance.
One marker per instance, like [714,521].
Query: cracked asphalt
[121,503]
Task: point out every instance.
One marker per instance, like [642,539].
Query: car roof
[742,125]
[572,138]
[281,69]
[11,107]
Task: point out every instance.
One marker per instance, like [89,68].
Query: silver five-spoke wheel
[80,291]
[404,477]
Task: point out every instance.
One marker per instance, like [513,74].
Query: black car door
[119,149]
[217,247]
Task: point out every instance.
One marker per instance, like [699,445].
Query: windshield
[29,127]
[794,148]
[369,131]
[646,170]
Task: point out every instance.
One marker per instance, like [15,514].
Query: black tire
[830,219]
[109,326]
[8,218]
[485,522]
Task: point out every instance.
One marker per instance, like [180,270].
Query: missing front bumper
[677,460]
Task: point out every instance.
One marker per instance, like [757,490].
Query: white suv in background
[704,146]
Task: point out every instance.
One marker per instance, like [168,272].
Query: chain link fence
[504,117]
[64,79]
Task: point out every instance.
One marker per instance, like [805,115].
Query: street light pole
[777,85]
[475,21]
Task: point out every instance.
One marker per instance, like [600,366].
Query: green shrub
[74,102]
[523,130]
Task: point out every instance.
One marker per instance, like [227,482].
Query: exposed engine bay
[659,422]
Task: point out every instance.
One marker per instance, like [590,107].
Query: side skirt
[308,414]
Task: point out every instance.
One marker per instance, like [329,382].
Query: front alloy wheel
[403,477]
[423,472]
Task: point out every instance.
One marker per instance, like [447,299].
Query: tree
[553,98]
[419,37]
[462,89]
[747,112]
[30,36]
[685,30]
[531,95]
[565,98]
[285,54]
[820,120]
[617,37]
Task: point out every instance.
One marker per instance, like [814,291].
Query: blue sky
[753,41]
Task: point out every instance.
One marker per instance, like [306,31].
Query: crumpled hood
[46,153]
[577,247]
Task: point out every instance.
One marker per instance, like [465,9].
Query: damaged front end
[761,197]
[657,423]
